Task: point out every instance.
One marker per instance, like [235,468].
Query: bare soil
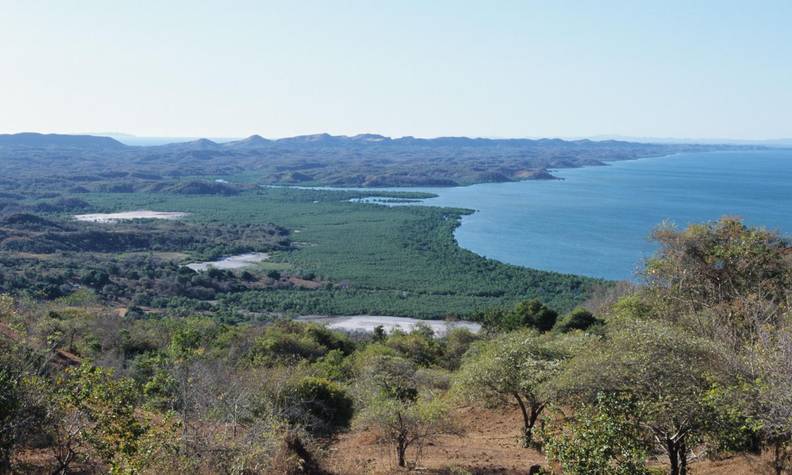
[489,446]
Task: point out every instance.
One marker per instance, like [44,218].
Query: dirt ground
[490,446]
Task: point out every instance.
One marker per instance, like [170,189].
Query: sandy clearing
[367,323]
[129,215]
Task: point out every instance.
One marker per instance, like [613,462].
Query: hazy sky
[426,68]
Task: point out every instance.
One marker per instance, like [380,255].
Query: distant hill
[90,163]
[250,142]
[32,139]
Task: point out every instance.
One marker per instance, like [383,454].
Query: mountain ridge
[35,139]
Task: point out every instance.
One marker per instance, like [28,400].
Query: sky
[687,69]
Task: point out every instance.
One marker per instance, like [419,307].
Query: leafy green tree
[517,366]
[722,280]
[577,319]
[22,404]
[767,400]
[667,371]
[419,345]
[393,403]
[527,314]
[407,424]
[603,438]
[730,284]
[106,406]
[295,340]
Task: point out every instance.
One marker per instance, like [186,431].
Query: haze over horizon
[714,70]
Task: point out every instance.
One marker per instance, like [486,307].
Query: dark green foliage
[527,314]
[321,404]
[403,261]
[290,340]
[418,346]
[577,319]
[22,412]
[379,333]
[534,314]
[140,268]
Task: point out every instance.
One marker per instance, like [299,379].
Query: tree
[768,400]
[729,283]
[529,313]
[405,414]
[577,319]
[102,408]
[22,398]
[419,345]
[321,405]
[515,366]
[379,333]
[603,438]
[22,404]
[667,371]
[457,342]
[407,423]
[723,280]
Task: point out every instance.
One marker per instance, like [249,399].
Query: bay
[596,221]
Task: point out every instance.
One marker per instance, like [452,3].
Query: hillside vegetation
[685,372]
[103,164]
[329,256]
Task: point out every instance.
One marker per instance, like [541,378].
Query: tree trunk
[677,455]
[682,457]
[778,457]
[527,429]
[529,419]
[401,449]
[673,456]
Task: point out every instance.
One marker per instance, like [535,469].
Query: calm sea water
[597,220]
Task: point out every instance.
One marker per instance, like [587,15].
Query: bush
[602,439]
[322,405]
[529,313]
[577,319]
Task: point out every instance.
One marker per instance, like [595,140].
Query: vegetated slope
[126,263]
[103,164]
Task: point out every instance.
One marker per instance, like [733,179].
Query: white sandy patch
[367,323]
[129,215]
[231,262]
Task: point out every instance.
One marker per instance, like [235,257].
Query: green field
[375,259]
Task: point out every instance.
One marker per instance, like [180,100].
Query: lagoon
[596,221]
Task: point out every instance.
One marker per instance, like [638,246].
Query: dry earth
[490,446]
